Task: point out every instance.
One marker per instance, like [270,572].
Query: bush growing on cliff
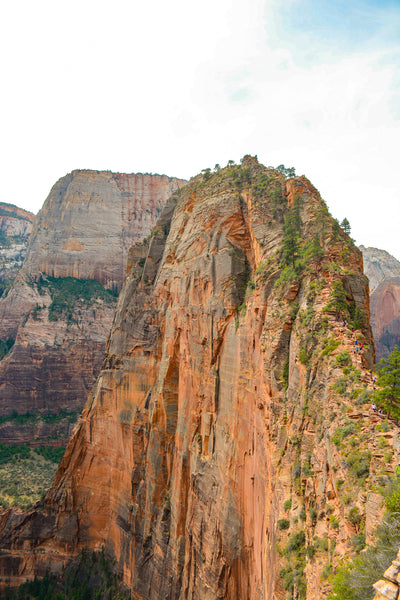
[283,524]
[354,580]
[5,346]
[338,298]
[343,359]
[66,292]
[388,396]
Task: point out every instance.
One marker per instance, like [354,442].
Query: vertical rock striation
[211,418]
[15,231]
[60,327]
[383,272]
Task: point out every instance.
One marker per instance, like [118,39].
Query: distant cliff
[228,441]
[383,272]
[15,231]
[60,308]
[89,221]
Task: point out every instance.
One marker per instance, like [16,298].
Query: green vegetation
[8,453]
[388,396]
[5,346]
[340,386]
[283,524]
[26,474]
[286,171]
[354,579]
[292,575]
[287,505]
[338,299]
[51,454]
[291,235]
[329,345]
[357,316]
[31,418]
[345,226]
[303,356]
[343,432]
[343,359]
[90,576]
[285,373]
[5,285]
[68,292]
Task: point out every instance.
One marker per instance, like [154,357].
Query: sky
[175,87]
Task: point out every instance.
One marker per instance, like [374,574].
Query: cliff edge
[229,432]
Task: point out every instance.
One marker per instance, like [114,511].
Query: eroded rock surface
[15,231]
[208,456]
[383,272]
[83,231]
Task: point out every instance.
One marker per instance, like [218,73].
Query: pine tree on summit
[345,226]
[388,396]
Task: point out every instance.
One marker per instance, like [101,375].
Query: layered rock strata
[383,272]
[15,231]
[207,458]
[83,231]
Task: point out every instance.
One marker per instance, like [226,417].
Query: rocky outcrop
[60,326]
[389,588]
[15,230]
[383,272]
[217,443]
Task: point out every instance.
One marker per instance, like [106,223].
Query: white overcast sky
[176,86]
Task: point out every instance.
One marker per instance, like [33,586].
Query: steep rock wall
[83,231]
[383,272]
[212,415]
[15,231]
[89,221]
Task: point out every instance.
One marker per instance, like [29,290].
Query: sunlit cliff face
[211,420]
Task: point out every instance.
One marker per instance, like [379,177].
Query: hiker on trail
[374,407]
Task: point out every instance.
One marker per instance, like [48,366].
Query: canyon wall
[60,308]
[15,231]
[229,433]
[383,272]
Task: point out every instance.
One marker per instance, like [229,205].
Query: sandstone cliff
[383,272]
[58,319]
[228,434]
[15,230]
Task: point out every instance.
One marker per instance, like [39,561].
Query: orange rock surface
[214,404]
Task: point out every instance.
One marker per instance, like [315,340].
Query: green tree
[388,396]
[345,225]
[291,235]
[286,171]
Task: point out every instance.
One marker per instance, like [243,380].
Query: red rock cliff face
[84,230]
[217,382]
